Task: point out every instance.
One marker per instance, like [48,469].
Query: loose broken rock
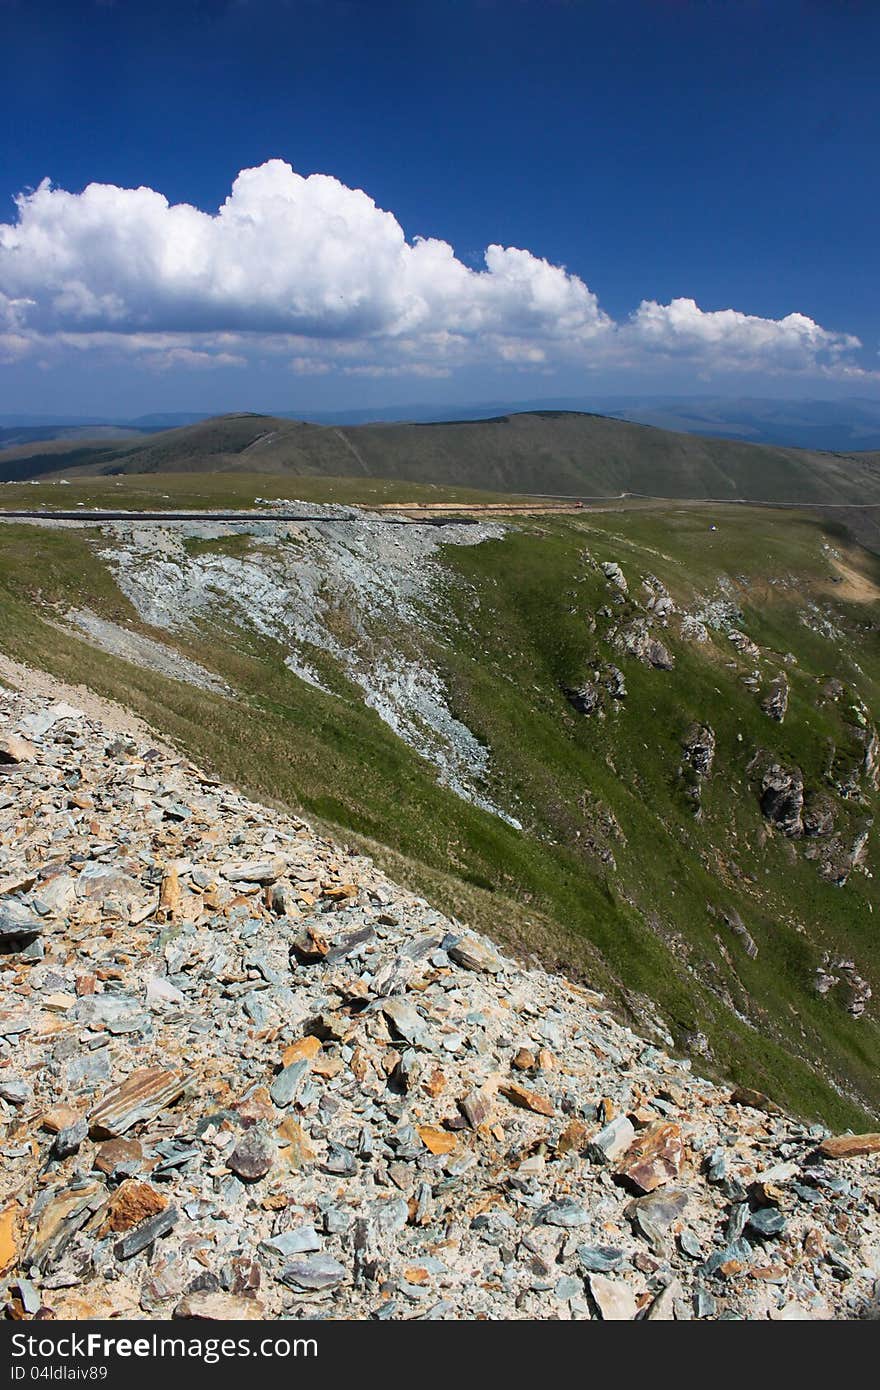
[850,1145]
[252,1156]
[141,1096]
[654,1158]
[525,1099]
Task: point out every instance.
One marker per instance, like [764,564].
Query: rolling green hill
[549,451]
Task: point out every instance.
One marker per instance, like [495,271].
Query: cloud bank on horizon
[308,271]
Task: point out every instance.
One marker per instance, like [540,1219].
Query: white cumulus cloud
[312,268]
[725,335]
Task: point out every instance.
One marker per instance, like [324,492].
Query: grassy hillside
[612,875]
[548,451]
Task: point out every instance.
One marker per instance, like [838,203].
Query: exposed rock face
[659,600]
[699,748]
[840,975]
[734,923]
[871,764]
[819,813]
[636,639]
[607,689]
[854,768]
[721,613]
[351,1129]
[782,799]
[693,629]
[743,643]
[586,698]
[775,702]
[612,679]
[292,590]
[143,651]
[838,857]
[615,575]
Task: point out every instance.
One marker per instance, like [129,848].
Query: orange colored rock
[642,1117]
[58,1118]
[437,1141]
[139,1097]
[302,1048]
[814,1243]
[310,945]
[546,1060]
[207,1306]
[132,1203]
[360,1064]
[850,1146]
[116,1151]
[655,1157]
[342,890]
[58,1003]
[169,896]
[9,1229]
[298,1150]
[16,750]
[435,1084]
[574,1137]
[526,1100]
[257,1105]
[327,1066]
[744,1095]
[524,1060]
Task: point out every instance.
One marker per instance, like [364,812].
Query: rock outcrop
[698,748]
[637,640]
[606,689]
[782,799]
[775,702]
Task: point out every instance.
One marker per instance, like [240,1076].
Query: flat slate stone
[143,1235]
[17,923]
[314,1272]
[139,1097]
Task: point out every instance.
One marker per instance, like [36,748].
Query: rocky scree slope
[360,597]
[244,1075]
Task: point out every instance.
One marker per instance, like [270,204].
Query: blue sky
[518,200]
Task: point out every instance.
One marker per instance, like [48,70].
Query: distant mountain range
[559,452]
[841,426]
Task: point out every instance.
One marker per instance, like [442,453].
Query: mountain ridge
[837,426]
[550,451]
